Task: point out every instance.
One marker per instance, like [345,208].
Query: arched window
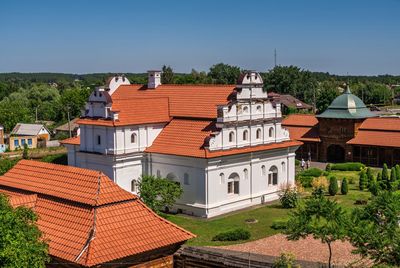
[186,179]
[133,138]
[222,178]
[245,135]
[134,186]
[258,134]
[246,174]
[273,176]
[263,171]
[233,184]
[231,136]
[271,132]
[258,108]
[245,109]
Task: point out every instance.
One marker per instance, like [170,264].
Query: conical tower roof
[347,106]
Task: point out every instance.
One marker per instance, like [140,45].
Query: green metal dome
[347,106]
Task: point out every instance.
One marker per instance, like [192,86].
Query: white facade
[211,186]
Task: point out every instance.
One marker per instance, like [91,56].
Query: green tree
[385,185]
[25,152]
[397,167]
[333,186]
[21,243]
[373,187]
[370,176]
[320,217]
[393,178]
[375,230]
[167,75]
[13,112]
[326,93]
[224,73]
[344,188]
[362,180]
[158,193]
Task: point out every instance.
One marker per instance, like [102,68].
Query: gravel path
[308,249]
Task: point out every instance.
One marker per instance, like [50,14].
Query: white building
[223,143]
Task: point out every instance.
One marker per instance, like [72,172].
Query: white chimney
[154,79]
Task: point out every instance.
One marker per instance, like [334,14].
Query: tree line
[27,97]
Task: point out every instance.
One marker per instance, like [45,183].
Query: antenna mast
[275,57]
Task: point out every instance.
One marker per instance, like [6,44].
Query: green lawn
[206,229]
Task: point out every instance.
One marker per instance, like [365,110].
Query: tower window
[245,135]
[133,138]
[271,132]
[258,134]
[231,136]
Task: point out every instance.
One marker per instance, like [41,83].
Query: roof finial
[347,91]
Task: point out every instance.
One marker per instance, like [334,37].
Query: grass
[206,229]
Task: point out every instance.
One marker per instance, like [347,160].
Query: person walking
[303,163]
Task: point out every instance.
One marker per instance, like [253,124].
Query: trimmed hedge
[305,181]
[234,235]
[313,172]
[350,166]
[279,224]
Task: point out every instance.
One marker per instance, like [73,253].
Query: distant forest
[30,97]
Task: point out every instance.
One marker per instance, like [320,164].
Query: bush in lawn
[297,162]
[313,172]
[233,235]
[344,189]
[333,186]
[285,260]
[370,176]
[397,167]
[279,224]
[289,197]
[393,174]
[374,187]
[319,185]
[350,166]
[363,180]
[352,180]
[305,181]
[328,167]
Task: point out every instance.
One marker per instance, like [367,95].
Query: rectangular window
[98,139]
[230,187]
[22,142]
[269,179]
[236,187]
[30,142]
[16,143]
[275,178]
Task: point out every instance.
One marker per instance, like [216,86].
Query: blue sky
[353,36]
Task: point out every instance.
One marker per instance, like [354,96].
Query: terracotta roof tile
[381,123]
[187,137]
[306,120]
[198,101]
[376,138]
[134,111]
[72,141]
[115,226]
[303,133]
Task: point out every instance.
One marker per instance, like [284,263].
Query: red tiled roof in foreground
[305,120]
[187,137]
[72,141]
[198,101]
[117,225]
[134,112]
[378,131]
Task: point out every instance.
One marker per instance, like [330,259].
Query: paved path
[307,249]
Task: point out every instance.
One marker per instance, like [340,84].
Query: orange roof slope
[378,132]
[72,141]
[185,100]
[306,120]
[187,138]
[135,112]
[71,183]
[91,234]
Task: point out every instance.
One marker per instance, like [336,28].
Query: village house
[33,135]
[88,221]
[2,144]
[289,103]
[68,128]
[347,131]
[224,144]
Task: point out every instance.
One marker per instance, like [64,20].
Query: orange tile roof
[306,120]
[381,123]
[85,233]
[134,111]
[186,137]
[72,141]
[376,138]
[303,133]
[198,101]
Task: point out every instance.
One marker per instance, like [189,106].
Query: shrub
[297,162]
[61,159]
[279,224]
[370,176]
[397,167]
[6,164]
[350,166]
[328,167]
[289,197]
[320,183]
[385,173]
[305,181]
[363,180]
[393,174]
[373,187]
[285,260]
[352,180]
[312,172]
[333,186]
[233,235]
[344,189]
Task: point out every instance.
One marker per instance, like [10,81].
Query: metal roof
[347,106]
[27,129]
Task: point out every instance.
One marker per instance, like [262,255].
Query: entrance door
[335,153]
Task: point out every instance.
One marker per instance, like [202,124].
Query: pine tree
[397,167]
[344,188]
[362,180]
[333,186]
[370,176]
[385,173]
[373,187]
